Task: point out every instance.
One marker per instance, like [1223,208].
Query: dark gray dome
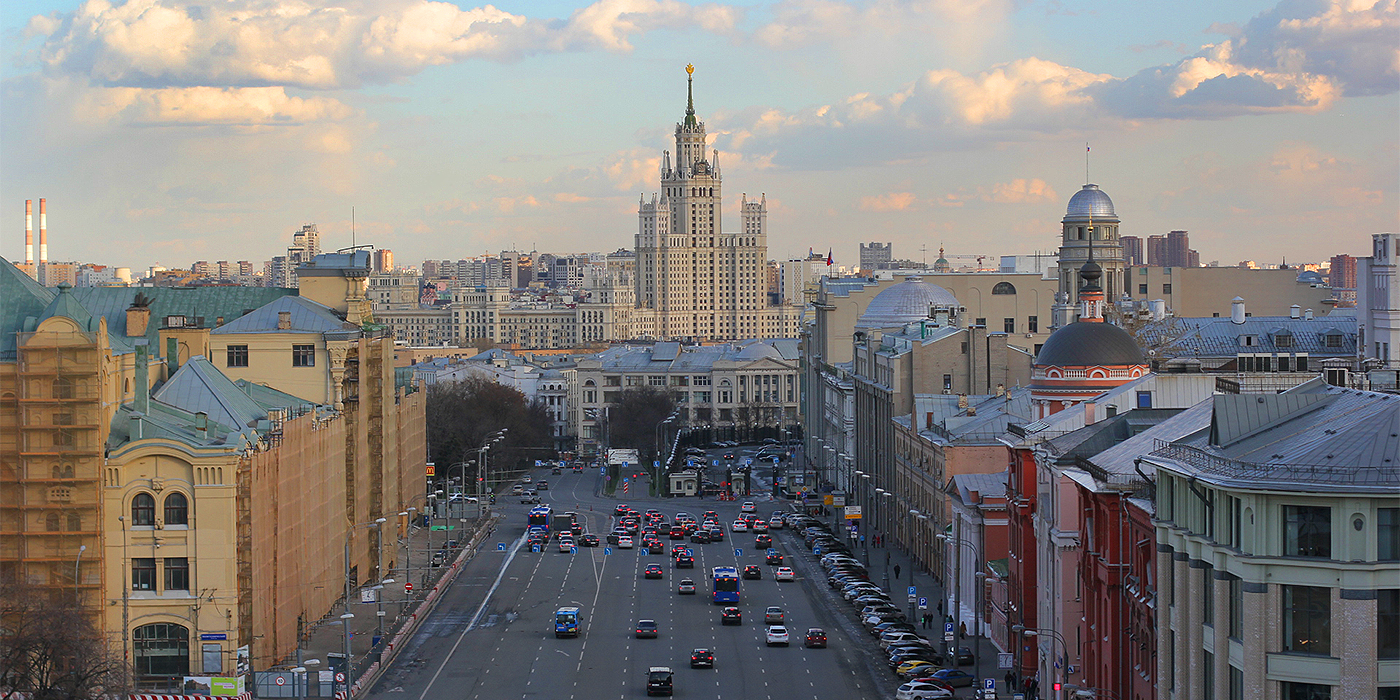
[1090,201]
[905,303]
[1089,344]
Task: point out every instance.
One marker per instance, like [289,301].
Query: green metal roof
[21,299]
[208,303]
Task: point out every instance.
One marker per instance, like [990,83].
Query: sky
[170,131]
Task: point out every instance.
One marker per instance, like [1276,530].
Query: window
[1388,534]
[947,382]
[1236,684]
[237,356]
[177,574]
[143,509]
[1388,623]
[1208,595]
[1307,531]
[1167,288]
[981,322]
[1307,619]
[1207,676]
[1235,596]
[1004,288]
[1144,399]
[1306,691]
[1332,340]
[1032,324]
[177,509]
[1008,325]
[656,380]
[161,649]
[1142,288]
[303,355]
[53,522]
[143,574]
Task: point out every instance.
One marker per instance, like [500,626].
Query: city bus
[724,582]
[566,622]
[539,516]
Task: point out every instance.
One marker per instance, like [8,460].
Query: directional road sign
[645,551]
[738,552]
[534,548]
[607,550]
[500,546]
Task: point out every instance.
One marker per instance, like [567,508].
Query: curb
[391,649]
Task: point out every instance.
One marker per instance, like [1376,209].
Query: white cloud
[801,22]
[889,201]
[205,106]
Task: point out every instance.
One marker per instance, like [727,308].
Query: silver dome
[1090,201]
[904,303]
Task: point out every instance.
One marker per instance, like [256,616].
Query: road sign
[645,551]
[738,552]
[339,677]
[852,512]
[408,588]
[913,590]
[626,479]
[607,550]
[500,546]
[838,500]
[947,636]
[213,636]
[816,550]
[989,684]
[655,462]
[923,603]
[534,548]
[1005,660]
[573,550]
[281,681]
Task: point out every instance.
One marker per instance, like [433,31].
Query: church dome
[904,303]
[1090,201]
[759,351]
[1089,344]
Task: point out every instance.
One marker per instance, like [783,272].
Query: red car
[816,638]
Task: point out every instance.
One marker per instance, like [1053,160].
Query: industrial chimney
[43,231]
[28,232]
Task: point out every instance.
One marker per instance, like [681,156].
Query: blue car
[954,677]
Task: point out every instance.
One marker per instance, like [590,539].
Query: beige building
[1207,291]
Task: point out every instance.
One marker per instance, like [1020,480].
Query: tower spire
[690,94]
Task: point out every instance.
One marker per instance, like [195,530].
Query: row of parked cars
[913,658]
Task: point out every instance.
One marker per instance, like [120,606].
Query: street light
[345,625]
[379,606]
[1063,660]
[374,524]
[77,582]
[976,595]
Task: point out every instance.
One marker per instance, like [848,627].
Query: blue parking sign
[990,684]
[948,627]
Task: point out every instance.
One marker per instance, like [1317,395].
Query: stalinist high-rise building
[694,280]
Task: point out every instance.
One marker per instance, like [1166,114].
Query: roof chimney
[284,320]
[29,232]
[1308,315]
[43,230]
[142,403]
[1237,310]
[1295,311]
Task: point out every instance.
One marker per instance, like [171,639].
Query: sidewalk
[370,635]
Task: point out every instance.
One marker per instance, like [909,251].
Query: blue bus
[724,582]
[566,622]
[539,516]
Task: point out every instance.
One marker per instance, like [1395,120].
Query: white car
[776,522]
[784,573]
[922,690]
[777,634]
[624,542]
[566,545]
[739,526]
[748,507]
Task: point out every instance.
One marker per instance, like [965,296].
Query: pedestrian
[896,572]
[940,606]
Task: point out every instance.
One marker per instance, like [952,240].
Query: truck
[566,622]
[562,523]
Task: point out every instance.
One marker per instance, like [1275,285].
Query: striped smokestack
[29,232]
[43,231]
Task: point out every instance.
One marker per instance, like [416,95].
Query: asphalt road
[492,634]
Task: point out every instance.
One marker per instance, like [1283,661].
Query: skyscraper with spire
[693,279]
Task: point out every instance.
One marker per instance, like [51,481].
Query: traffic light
[1058,686]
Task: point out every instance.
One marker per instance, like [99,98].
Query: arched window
[177,509]
[53,523]
[75,522]
[161,649]
[143,509]
[1004,288]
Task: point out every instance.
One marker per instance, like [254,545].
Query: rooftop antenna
[352,226]
[1086,162]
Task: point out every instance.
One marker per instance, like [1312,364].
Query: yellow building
[184,501]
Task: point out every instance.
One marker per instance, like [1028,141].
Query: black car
[646,629]
[685,561]
[731,616]
[588,541]
[700,537]
[774,557]
[702,658]
[965,656]
[659,680]
[653,571]
[752,571]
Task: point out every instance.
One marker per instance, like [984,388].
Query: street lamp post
[78,582]
[1055,636]
[374,524]
[345,627]
[429,515]
[976,597]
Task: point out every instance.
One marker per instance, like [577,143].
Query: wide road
[491,636]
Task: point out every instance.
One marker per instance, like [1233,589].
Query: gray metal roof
[1220,337]
[306,317]
[988,485]
[198,387]
[1090,200]
[903,303]
[1089,344]
[688,358]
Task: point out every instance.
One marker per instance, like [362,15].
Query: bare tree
[51,649]
[461,415]
[633,419]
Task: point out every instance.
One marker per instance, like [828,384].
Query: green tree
[462,415]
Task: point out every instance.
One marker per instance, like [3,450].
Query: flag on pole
[828,257]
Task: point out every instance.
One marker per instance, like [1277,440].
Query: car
[955,677]
[748,507]
[517,488]
[702,658]
[676,532]
[776,635]
[774,557]
[923,690]
[731,615]
[964,656]
[739,526]
[903,669]
[752,571]
[526,479]
[695,451]
[716,534]
[758,525]
[686,587]
[776,522]
[566,544]
[762,542]
[621,509]
[615,536]
[659,680]
[646,629]
[685,561]
[542,486]
[530,497]
[700,537]
[653,571]
[587,540]
[784,573]
[729,456]
[773,615]
[624,542]
[816,638]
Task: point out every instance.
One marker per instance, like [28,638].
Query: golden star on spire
[690,69]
